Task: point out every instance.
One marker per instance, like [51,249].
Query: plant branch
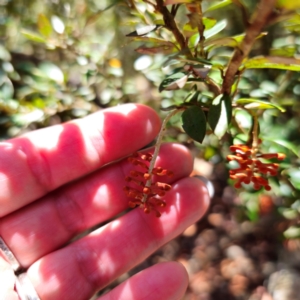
[255,132]
[171,25]
[259,20]
[158,144]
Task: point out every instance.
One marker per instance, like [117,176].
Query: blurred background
[64,59]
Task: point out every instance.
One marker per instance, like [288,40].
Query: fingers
[167,281]
[45,159]
[7,281]
[53,221]
[80,269]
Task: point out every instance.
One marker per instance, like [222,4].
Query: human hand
[58,182]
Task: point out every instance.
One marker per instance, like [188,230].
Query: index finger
[41,161]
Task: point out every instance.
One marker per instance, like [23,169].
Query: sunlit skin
[60,181]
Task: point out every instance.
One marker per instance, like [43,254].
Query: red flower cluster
[251,168]
[145,193]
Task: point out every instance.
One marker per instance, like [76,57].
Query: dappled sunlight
[100,257]
[73,209]
[82,205]
[5,191]
[126,110]
[102,197]
[184,207]
[53,156]
[170,215]
[53,282]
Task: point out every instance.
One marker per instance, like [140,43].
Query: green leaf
[294,174]
[194,123]
[194,39]
[293,24]
[4,54]
[6,89]
[35,37]
[251,103]
[208,22]
[173,82]
[27,118]
[192,98]
[233,41]
[288,213]
[221,42]
[292,232]
[219,114]
[215,30]
[44,25]
[272,62]
[143,30]
[286,144]
[152,40]
[195,60]
[218,5]
[287,51]
[189,30]
[154,45]
[164,49]
[52,71]
[288,5]
[191,27]
[169,108]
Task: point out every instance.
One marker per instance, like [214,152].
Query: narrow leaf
[218,5]
[293,232]
[251,103]
[194,39]
[288,5]
[233,41]
[44,25]
[287,51]
[209,22]
[293,23]
[214,112]
[164,49]
[143,30]
[194,123]
[35,37]
[173,82]
[215,30]
[151,40]
[192,26]
[286,144]
[273,62]
[195,60]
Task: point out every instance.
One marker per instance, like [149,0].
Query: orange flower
[251,168]
[145,193]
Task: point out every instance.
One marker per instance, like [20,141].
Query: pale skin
[54,185]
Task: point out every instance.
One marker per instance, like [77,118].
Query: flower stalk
[144,191]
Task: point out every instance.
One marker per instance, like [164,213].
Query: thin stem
[171,25]
[201,29]
[255,135]
[157,146]
[176,9]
